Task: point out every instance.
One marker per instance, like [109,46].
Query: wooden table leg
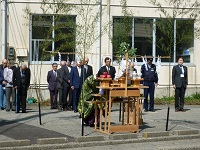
[95,125]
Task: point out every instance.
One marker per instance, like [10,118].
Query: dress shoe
[2,108]
[145,110]
[152,110]
[75,111]
[13,109]
[68,108]
[7,109]
[183,110]
[64,109]
[176,110]
[91,125]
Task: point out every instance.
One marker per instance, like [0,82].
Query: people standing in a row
[67,83]
[179,82]
[21,82]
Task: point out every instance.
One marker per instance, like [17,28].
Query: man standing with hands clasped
[180,82]
[151,80]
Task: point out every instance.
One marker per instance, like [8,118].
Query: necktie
[79,71]
[55,73]
[108,68]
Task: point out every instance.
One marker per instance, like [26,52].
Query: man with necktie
[52,85]
[21,82]
[107,68]
[179,82]
[88,68]
[77,76]
[70,92]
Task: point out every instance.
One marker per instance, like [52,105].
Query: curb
[155,134]
[52,140]
[100,143]
[185,132]
[15,143]
[89,138]
[122,136]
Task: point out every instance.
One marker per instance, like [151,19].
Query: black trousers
[21,98]
[70,101]
[64,95]
[53,98]
[179,93]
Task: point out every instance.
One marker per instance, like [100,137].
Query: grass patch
[193,99]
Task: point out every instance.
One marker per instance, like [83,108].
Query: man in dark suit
[21,82]
[179,82]
[60,87]
[70,91]
[52,81]
[88,68]
[77,76]
[64,74]
[107,68]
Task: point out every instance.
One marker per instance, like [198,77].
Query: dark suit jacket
[59,79]
[75,80]
[65,75]
[52,80]
[104,69]
[89,71]
[177,79]
[17,77]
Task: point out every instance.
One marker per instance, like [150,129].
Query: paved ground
[68,124]
[161,145]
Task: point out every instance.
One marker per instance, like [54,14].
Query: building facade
[32,24]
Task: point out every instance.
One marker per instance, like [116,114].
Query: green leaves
[123,48]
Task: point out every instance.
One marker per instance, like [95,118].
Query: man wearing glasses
[52,85]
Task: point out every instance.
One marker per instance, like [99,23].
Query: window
[165,39]
[185,39]
[143,37]
[139,33]
[51,34]
[122,32]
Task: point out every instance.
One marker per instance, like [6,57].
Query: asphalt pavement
[68,124]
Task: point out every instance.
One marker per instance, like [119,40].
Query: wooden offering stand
[104,82]
[130,95]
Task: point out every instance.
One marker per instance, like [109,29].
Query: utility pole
[99,30]
[4,28]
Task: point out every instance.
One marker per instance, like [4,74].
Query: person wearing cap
[77,76]
[179,82]
[151,80]
[107,68]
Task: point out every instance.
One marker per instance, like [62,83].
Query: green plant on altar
[123,48]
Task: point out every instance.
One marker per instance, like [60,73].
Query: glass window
[143,36]
[122,32]
[184,39]
[52,34]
